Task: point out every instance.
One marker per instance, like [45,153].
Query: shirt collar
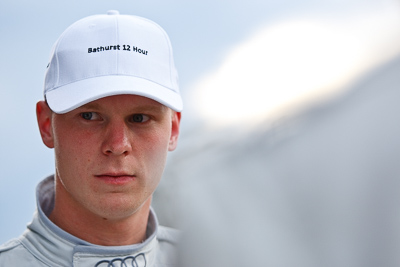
[53,243]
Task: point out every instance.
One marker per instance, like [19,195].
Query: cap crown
[112,45]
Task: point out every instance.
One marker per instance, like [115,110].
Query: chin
[117,210]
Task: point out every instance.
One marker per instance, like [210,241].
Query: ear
[173,140]
[44,115]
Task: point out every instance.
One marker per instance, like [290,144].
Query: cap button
[112,12]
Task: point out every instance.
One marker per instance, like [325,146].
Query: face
[110,153]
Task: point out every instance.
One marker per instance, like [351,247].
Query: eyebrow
[134,108]
[91,105]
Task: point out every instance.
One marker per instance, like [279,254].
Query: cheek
[159,141]
[156,150]
[73,150]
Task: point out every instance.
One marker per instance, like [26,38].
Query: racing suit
[45,244]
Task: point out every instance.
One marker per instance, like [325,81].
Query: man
[111,113]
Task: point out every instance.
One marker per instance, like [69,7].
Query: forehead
[130,102]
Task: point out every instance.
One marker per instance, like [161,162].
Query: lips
[116,178]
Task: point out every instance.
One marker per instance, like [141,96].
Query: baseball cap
[111,54]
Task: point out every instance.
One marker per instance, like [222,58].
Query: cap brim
[71,96]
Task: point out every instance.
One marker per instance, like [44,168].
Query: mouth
[116,178]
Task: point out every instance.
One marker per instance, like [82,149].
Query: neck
[98,230]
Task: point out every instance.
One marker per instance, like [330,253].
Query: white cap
[111,54]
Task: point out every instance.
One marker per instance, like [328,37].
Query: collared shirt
[45,244]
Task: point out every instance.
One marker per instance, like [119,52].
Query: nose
[116,139]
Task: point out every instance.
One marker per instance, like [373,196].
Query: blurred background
[289,130]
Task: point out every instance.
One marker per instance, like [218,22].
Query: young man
[111,113]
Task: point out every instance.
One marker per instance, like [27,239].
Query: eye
[139,118]
[90,116]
